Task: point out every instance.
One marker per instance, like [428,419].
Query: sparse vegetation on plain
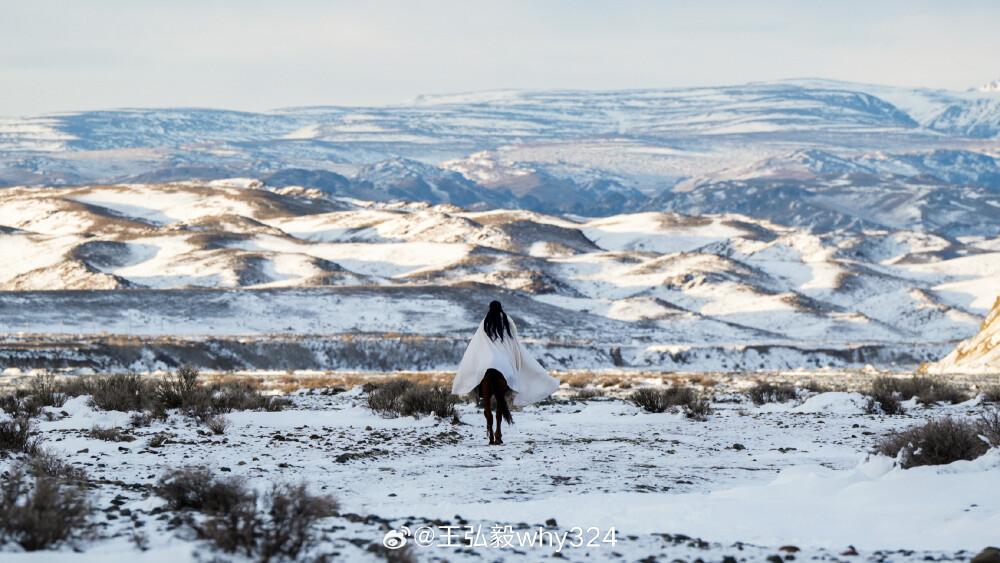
[942,441]
[217,424]
[149,398]
[123,392]
[886,394]
[42,391]
[112,434]
[282,530]
[18,435]
[991,394]
[660,400]
[586,394]
[402,397]
[43,503]
[766,392]
[927,390]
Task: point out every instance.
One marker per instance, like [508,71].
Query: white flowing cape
[524,375]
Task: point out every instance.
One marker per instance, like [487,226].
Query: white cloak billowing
[524,375]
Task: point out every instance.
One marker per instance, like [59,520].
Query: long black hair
[495,323]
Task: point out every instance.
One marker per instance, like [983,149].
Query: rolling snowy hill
[326,265]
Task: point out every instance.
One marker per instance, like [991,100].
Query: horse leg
[501,394]
[497,435]
[487,411]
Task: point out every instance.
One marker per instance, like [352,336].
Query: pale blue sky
[252,55]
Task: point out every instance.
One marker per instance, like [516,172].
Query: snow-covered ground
[745,483]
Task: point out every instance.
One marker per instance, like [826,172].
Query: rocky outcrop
[979,354]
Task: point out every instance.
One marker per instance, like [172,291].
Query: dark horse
[494,384]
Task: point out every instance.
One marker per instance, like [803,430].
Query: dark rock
[988,555]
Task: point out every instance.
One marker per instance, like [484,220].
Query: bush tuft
[927,390]
[385,397]
[283,530]
[112,434]
[401,397]
[883,401]
[120,392]
[587,394]
[43,513]
[659,400]
[698,409]
[764,392]
[217,424]
[45,464]
[175,391]
[193,488]
[991,394]
[942,441]
[18,436]
[130,392]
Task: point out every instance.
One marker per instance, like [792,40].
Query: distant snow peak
[990,86]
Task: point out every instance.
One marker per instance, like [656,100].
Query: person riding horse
[496,362]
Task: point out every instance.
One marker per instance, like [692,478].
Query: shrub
[989,426]
[935,442]
[129,392]
[424,399]
[120,392]
[883,401]
[401,397]
[699,408]
[586,394]
[217,424]
[991,394]
[41,514]
[292,512]
[158,440]
[174,392]
[283,530]
[659,400]
[817,387]
[240,396]
[17,406]
[404,554]
[198,489]
[113,434]
[765,392]
[927,390]
[18,436]
[145,418]
[44,391]
[385,397]
[45,464]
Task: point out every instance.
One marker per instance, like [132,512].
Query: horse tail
[499,391]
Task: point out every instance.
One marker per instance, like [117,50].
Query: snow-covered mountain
[585,153]
[650,281]
[979,354]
